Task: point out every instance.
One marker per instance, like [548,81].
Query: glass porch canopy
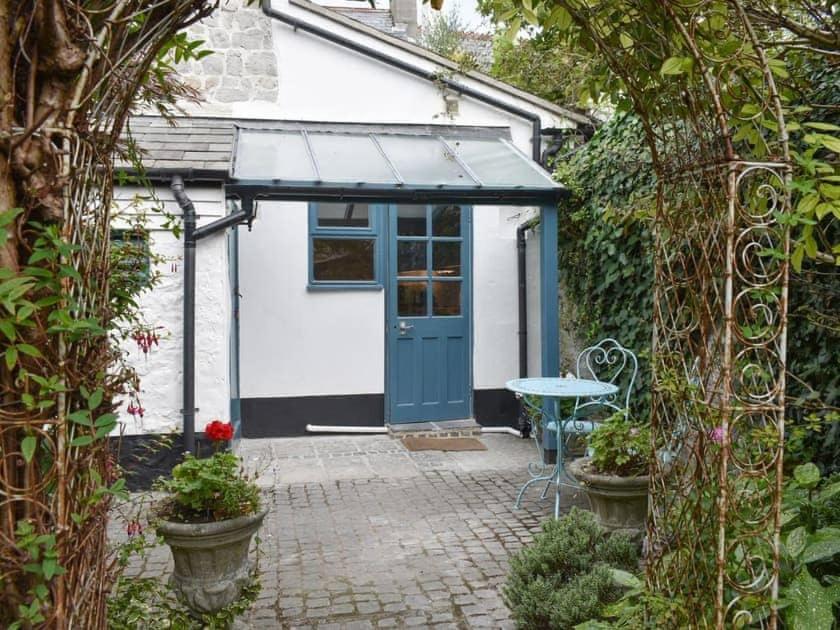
[318,163]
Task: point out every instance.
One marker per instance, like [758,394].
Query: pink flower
[716,435]
[134,528]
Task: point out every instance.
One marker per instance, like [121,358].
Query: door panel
[428,313]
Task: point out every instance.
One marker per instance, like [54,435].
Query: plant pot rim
[578,470]
[177,528]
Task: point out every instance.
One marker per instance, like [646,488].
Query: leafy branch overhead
[802,43]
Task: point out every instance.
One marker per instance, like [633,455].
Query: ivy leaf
[796,541]
[27,447]
[810,604]
[824,544]
[807,475]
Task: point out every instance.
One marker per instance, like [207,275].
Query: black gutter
[536,123]
[279,191]
[191,236]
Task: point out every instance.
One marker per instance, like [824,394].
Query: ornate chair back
[609,362]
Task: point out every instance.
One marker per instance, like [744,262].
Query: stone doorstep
[442,429]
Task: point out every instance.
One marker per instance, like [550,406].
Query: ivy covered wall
[606,269]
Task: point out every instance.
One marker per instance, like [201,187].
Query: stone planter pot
[620,503]
[211,559]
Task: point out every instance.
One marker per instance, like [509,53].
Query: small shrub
[620,447]
[563,578]
[210,489]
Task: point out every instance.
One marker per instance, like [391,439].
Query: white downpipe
[509,430]
[327,428]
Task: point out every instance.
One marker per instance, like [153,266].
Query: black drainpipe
[191,236]
[536,123]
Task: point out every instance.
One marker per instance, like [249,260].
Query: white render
[160,371]
[293,341]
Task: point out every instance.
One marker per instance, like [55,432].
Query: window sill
[343,286]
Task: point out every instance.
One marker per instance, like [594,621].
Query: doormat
[443,444]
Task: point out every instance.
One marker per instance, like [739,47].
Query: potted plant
[615,475]
[208,519]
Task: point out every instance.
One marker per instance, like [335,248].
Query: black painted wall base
[282,417]
[288,417]
[144,458]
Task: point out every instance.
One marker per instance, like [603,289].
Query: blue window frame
[345,251]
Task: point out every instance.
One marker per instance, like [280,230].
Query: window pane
[424,161]
[272,155]
[411,258]
[354,215]
[349,158]
[446,221]
[343,259]
[446,256]
[411,298]
[446,298]
[497,164]
[411,220]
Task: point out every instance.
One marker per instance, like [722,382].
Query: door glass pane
[446,221]
[411,258]
[411,298]
[446,298]
[411,220]
[446,256]
[352,215]
[344,259]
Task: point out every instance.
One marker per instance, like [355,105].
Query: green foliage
[810,561]
[151,604]
[444,34]
[564,577]
[42,565]
[620,447]
[540,66]
[210,489]
[605,244]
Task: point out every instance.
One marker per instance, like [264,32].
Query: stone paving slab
[365,534]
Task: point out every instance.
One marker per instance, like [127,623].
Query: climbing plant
[70,75]
[709,82]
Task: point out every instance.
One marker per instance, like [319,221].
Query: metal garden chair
[605,362]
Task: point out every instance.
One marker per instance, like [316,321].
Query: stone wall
[243,67]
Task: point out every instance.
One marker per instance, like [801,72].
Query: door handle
[405,327]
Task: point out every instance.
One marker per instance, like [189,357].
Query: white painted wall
[296,342]
[495,295]
[533,304]
[322,81]
[160,371]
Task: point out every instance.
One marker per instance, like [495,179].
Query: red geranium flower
[219,431]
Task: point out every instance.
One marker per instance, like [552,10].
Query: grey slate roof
[197,143]
[380,19]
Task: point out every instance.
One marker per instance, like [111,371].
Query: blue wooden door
[429,348]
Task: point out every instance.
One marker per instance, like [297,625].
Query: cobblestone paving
[364,534]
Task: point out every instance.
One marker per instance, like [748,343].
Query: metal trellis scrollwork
[717,136]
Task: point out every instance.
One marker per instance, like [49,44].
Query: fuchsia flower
[717,435]
[134,528]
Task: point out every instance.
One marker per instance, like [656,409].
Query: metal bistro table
[552,390]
